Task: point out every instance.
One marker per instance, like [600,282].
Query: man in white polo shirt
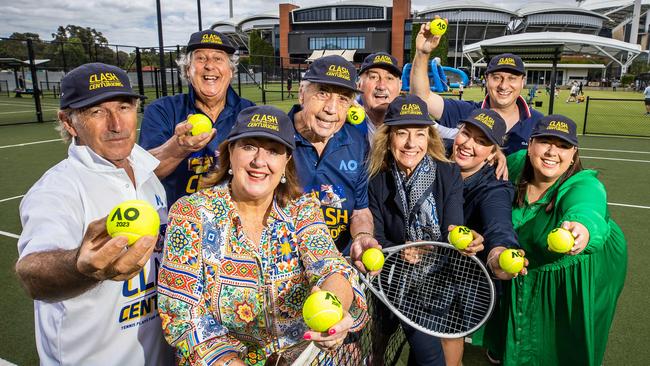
[94,297]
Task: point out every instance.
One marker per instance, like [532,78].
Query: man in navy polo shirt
[330,153]
[380,82]
[208,66]
[505,78]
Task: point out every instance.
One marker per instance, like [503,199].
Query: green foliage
[627,79]
[260,50]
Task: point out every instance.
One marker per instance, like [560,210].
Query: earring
[230,171]
[283,179]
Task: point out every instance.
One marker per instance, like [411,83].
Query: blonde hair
[380,155]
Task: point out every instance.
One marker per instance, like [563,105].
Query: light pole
[198,9]
[456,46]
[161,51]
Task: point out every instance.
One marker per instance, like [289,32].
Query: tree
[16,47]
[260,51]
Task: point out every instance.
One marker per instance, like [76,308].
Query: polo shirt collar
[524,110]
[141,161]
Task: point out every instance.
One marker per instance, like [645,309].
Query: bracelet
[354,238]
[229,361]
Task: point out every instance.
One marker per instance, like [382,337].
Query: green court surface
[27,151]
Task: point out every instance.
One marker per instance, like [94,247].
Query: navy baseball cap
[333,70]
[210,39]
[264,121]
[381,60]
[94,83]
[557,125]
[506,62]
[490,122]
[407,110]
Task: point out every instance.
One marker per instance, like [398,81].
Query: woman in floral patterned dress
[242,255]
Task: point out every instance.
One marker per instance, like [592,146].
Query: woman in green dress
[561,312]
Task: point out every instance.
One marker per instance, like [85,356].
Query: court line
[4,233]
[616,159]
[30,111]
[30,143]
[12,198]
[610,150]
[6,363]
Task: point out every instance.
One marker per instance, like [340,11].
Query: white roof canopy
[620,52]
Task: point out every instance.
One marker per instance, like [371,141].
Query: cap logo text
[211,38]
[485,119]
[507,61]
[411,109]
[382,59]
[267,121]
[104,80]
[339,72]
[558,126]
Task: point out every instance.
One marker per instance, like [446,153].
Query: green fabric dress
[561,312]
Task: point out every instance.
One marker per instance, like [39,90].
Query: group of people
[259,212]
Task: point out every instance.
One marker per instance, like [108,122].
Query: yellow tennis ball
[373,259]
[356,115]
[200,123]
[460,237]
[511,261]
[133,219]
[560,240]
[322,310]
[438,27]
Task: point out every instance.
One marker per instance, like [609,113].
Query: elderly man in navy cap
[505,78]
[95,296]
[330,153]
[208,67]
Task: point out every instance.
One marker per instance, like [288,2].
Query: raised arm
[425,43]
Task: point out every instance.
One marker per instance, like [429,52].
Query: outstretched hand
[425,42]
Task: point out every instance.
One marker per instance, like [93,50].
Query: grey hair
[304,84]
[72,115]
[184,61]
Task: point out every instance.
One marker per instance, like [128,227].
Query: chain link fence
[618,117]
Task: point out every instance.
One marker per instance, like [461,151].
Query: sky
[133,22]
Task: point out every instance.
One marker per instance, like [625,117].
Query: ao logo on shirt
[350,165]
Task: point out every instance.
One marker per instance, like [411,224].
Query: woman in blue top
[415,194]
[488,200]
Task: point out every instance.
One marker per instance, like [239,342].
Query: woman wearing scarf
[415,194]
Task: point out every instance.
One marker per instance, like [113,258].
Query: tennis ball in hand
[373,259]
[133,219]
[511,261]
[356,115]
[200,123]
[460,237]
[438,27]
[560,240]
[322,310]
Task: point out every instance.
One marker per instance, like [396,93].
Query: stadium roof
[620,52]
[618,11]
[384,3]
[465,4]
[556,8]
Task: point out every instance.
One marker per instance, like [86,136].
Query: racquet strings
[437,288]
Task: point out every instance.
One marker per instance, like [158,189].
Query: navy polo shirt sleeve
[157,126]
[453,203]
[455,110]
[495,209]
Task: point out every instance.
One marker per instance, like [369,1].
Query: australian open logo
[104,80]
[558,126]
[382,59]
[211,38]
[267,121]
[507,61]
[339,72]
[410,109]
[485,119]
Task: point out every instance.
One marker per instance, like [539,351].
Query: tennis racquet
[434,288]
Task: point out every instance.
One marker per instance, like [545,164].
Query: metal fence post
[138,67]
[180,79]
[262,82]
[584,124]
[35,88]
[171,72]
